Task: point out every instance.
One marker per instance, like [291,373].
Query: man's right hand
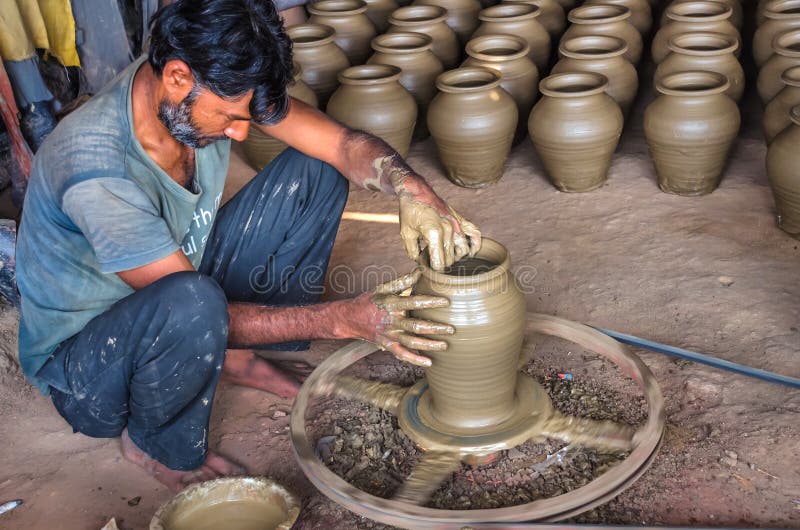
[381,317]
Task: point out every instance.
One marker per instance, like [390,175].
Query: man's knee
[321,176]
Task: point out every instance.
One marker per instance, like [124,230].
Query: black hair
[231,47]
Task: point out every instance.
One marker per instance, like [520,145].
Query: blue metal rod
[672,351]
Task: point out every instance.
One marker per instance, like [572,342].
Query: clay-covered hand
[382,318]
[427,221]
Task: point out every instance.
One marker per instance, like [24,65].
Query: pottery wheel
[533,418]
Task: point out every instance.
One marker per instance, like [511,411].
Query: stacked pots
[319,57]
[353,30]
[692,17]
[785,55]
[429,20]
[521,20]
[609,20]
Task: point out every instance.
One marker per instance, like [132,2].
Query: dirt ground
[713,274]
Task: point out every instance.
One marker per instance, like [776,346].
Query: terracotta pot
[575,129]
[411,52]
[787,54]
[710,52]
[469,387]
[429,20]
[473,121]
[319,57]
[602,55]
[737,14]
[508,54]
[462,15]
[693,17]
[777,113]
[780,16]
[610,20]
[783,159]
[520,20]
[690,128]
[348,18]
[261,149]
[378,12]
[372,99]
[551,15]
[641,12]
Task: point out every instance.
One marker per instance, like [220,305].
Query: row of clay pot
[783,159]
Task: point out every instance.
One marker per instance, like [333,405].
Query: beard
[177,118]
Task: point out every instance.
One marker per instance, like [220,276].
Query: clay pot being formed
[780,16]
[787,54]
[641,12]
[462,15]
[261,149]
[737,14]
[777,113]
[520,20]
[690,128]
[371,98]
[710,52]
[429,20]
[693,17]
[353,29]
[472,383]
[319,57]
[473,121]
[508,55]
[610,20]
[602,55]
[551,15]
[378,12]
[782,162]
[575,129]
[411,52]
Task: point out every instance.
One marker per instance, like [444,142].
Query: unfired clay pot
[372,99]
[780,16]
[737,15]
[641,12]
[602,55]
[575,129]
[473,121]
[261,149]
[711,52]
[411,52]
[610,20]
[473,382]
[783,159]
[777,113]
[462,15]
[692,17]
[520,20]
[551,15]
[787,54]
[348,18]
[319,57]
[508,55]
[378,12]
[690,128]
[429,20]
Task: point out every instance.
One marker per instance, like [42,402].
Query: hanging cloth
[26,25]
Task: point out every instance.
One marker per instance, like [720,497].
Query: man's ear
[177,79]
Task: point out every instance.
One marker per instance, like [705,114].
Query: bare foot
[243,367]
[215,466]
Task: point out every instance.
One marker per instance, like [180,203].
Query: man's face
[202,118]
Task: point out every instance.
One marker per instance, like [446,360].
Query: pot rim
[347,7]
[614,13]
[791,76]
[552,85]
[510,11]
[521,45]
[615,47]
[440,16]
[682,12]
[325,33]
[782,40]
[727,43]
[487,244]
[383,43]
[670,85]
[490,79]
[772,9]
[794,114]
[369,74]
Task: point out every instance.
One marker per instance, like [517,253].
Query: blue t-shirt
[96,205]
